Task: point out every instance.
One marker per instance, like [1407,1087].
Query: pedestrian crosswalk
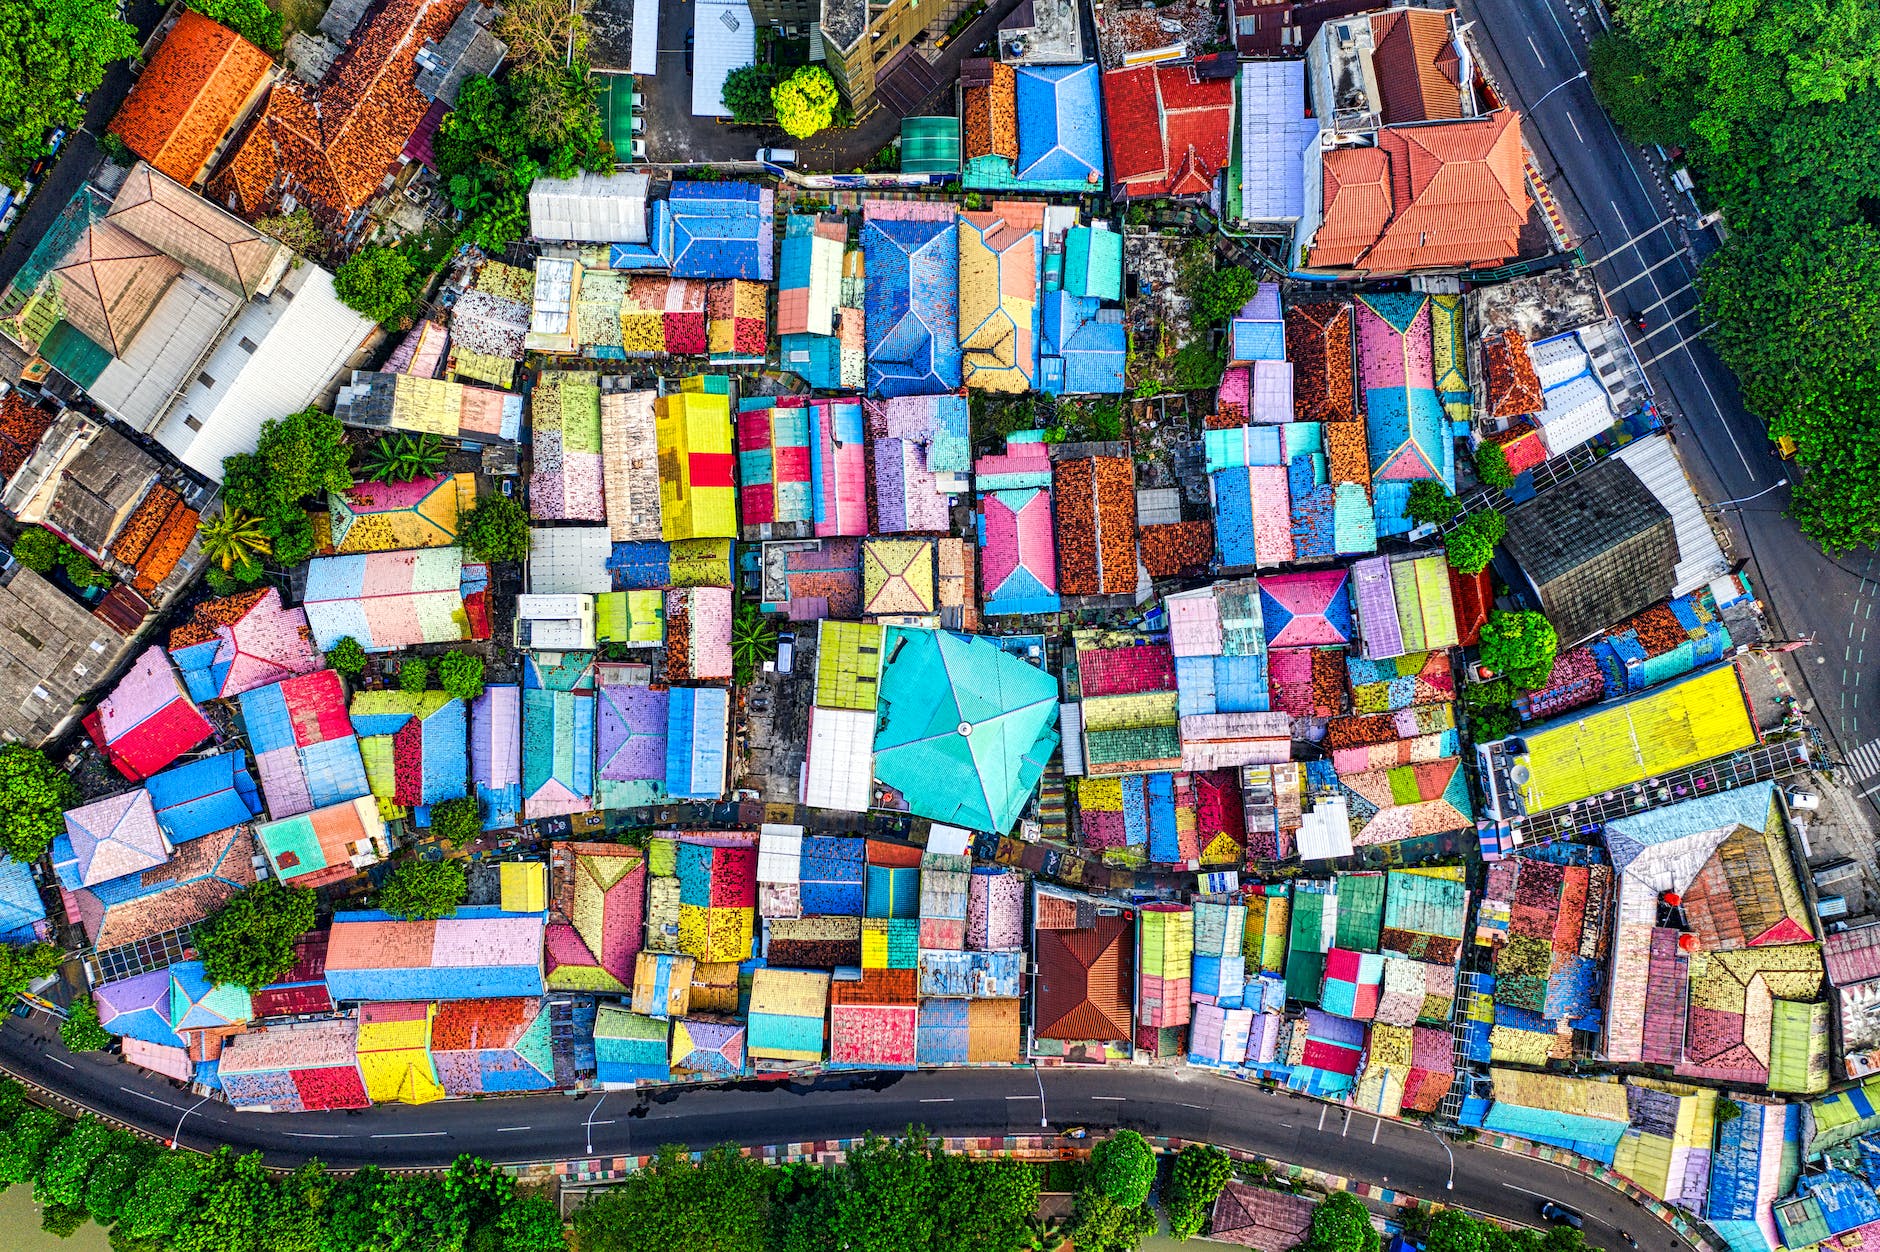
[1864,761]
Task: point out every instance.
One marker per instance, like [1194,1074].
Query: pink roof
[116,836]
[1272,514]
[845,476]
[487,941]
[1022,538]
[148,720]
[268,643]
[1852,956]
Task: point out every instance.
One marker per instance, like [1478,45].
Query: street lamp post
[178,1134]
[590,1122]
[1556,87]
[1724,504]
[1043,1122]
[1450,1183]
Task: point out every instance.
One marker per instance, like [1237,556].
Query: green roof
[1360,911]
[930,145]
[966,728]
[614,100]
[848,665]
[73,354]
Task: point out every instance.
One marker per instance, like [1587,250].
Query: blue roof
[20,905]
[1080,353]
[641,565]
[204,796]
[1060,124]
[912,306]
[720,230]
[698,722]
[201,675]
[1259,340]
[816,359]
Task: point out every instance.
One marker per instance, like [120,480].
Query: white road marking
[56,1061]
[1377,1125]
[938,1100]
[308,1134]
[1290,1125]
[1323,1110]
[141,1096]
[1576,128]
[1537,52]
[416,1134]
[1865,759]
[1111,1099]
[1525,1191]
[1030,1097]
[1202,1107]
[504,1129]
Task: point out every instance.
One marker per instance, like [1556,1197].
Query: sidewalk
[839,151]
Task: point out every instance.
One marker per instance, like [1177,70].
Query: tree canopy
[1778,110]
[1341,1223]
[23,964]
[1471,546]
[1200,1173]
[497,530]
[1124,1167]
[460,674]
[543,118]
[34,794]
[300,455]
[253,20]
[806,101]
[1218,294]
[747,93]
[51,52]
[423,890]
[81,1031]
[1491,466]
[379,283]
[1519,646]
[347,655]
[1430,502]
[457,821]
[250,940]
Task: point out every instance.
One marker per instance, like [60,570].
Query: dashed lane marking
[417,1134]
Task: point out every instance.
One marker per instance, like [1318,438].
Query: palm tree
[402,458]
[232,538]
[753,639]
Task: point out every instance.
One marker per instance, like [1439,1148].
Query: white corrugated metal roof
[1325,832]
[566,560]
[725,39]
[589,208]
[1071,726]
[1576,410]
[276,359]
[840,772]
[1274,134]
[644,59]
[779,853]
[1700,559]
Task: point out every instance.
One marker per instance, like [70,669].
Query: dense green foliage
[753,641]
[1217,294]
[1777,109]
[414,674]
[747,94]
[41,551]
[1491,467]
[402,458]
[347,655]
[379,283]
[80,1030]
[162,1201]
[235,543]
[890,1196]
[303,454]
[423,890]
[250,940]
[460,675]
[805,102]
[1431,503]
[251,19]
[1490,709]
[1520,647]
[1124,1167]
[502,136]
[1100,1224]
[457,821]
[497,530]
[34,794]
[1200,1173]
[22,965]
[51,52]
[1471,546]
[1453,1230]
[1341,1223]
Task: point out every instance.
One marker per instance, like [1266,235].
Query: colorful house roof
[695,481]
[872,1021]
[774,493]
[1058,147]
[911,251]
[597,926]
[192,884]
[1169,130]
[557,736]
[631,727]
[202,79]
[196,1003]
[395,1053]
[208,794]
[387,600]
[22,912]
[920,456]
[707,1048]
[300,1067]
[496,754]
[329,146]
[383,517]
[1081,345]
[1096,525]
[1257,1217]
[737,326]
[237,643]
[474,953]
[787,1011]
[567,473]
[630,1047]
[1018,560]
[1405,605]
[328,845]
[108,839]
[698,728]
[630,465]
[698,633]
[488,1046]
[1000,253]
[148,720]
[415,745]
[1084,989]
[809,284]
[302,989]
[1306,609]
[966,728]
[897,577]
[717,230]
[302,738]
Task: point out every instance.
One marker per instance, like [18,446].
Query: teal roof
[965,728]
[1093,262]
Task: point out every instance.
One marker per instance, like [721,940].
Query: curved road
[1183,1103]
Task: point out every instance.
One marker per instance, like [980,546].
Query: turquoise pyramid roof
[197,1002]
[965,728]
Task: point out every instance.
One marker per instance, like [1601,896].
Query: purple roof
[632,733]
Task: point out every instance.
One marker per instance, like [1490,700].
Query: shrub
[1431,503]
[1519,646]
[1491,466]
[1200,1173]
[424,890]
[80,1030]
[1471,546]
[347,656]
[414,674]
[38,549]
[379,283]
[460,675]
[497,530]
[457,821]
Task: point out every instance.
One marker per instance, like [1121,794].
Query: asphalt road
[1611,193]
[1187,1104]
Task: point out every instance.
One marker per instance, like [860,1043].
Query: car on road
[777,156]
[1804,801]
[688,51]
[1561,1215]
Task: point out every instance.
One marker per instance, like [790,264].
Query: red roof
[193,90]
[1169,131]
[1085,980]
[1419,72]
[153,743]
[1357,204]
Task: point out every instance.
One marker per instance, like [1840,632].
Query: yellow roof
[524,886]
[696,496]
[1695,720]
[848,665]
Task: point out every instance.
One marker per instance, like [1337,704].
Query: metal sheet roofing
[912,304]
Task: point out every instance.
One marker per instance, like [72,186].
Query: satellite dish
[1520,774]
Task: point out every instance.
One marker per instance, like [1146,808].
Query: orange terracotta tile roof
[1085,981]
[141,526]
[1457,197]
[331,146]
[1419,73]
[166,549]
[194,89]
